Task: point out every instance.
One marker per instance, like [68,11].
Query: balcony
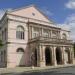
[50,40]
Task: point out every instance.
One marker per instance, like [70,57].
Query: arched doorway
[58,55]
[48,56]
[20,57]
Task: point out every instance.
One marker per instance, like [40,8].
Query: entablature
[51,41]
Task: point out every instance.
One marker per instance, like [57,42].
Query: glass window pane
[20,32]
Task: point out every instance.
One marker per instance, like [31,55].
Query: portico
[52,54]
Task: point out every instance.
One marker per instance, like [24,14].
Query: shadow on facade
[58,55]
[34,57]
[48,56]
[22,57]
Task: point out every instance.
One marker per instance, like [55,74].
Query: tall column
[38,56]
[63,55]
[42,56]
[71,55]
[32,32]
[54,56]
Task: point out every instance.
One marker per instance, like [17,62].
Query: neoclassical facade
[31,39]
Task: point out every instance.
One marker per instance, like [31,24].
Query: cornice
[33,20]
[30,18]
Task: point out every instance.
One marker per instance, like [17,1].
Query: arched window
[64,36]
[20,32]
[20,50]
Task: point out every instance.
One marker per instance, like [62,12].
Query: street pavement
[58,71]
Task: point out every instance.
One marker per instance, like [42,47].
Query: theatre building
[31,39]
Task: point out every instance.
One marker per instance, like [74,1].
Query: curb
[35,69]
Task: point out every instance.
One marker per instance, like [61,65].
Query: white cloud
[70,21]
[70,4]
[64,26]
[70,24]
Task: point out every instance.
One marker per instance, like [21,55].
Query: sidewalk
[30,69]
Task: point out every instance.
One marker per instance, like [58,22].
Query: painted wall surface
[30,12]
[12,26]
[15,58]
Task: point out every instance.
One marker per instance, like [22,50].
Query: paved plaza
[57,71]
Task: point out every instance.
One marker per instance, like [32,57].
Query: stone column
[54,56]
[42,56]
[71,55]
[32,33]
[63,55]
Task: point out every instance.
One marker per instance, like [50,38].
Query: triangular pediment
[31,12]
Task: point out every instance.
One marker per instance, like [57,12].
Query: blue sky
[60,11]
[55,9]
